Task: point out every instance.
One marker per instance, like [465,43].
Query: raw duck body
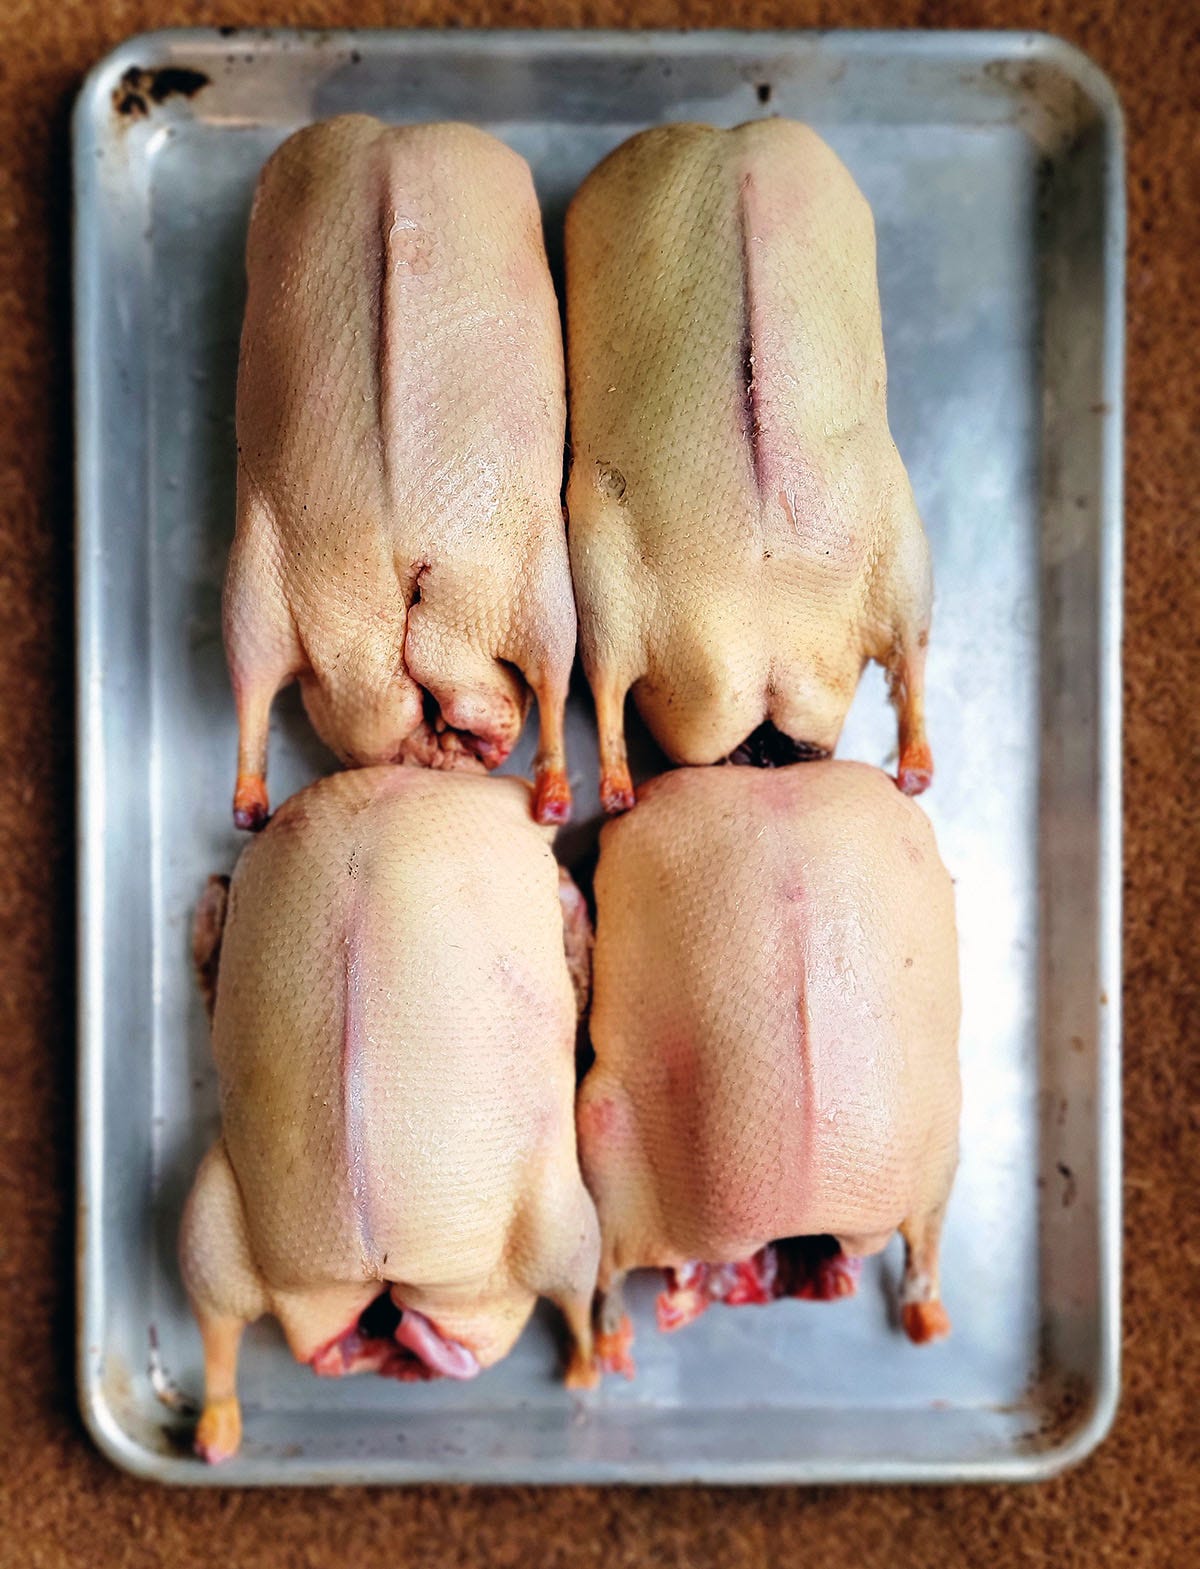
[775,1014]
[394,1031]
[400,544]
[743,534]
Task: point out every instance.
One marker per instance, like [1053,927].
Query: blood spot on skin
[677,1053]
[912,851]
[599,1118]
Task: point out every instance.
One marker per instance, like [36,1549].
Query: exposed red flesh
[250,806]
[552,797]
[353,1352]
[616,790]
[915,773]
[813,1269]
[371,1345]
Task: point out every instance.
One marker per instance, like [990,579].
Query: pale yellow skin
[775,1019]
[394,1031]
[743,534]
[400,417]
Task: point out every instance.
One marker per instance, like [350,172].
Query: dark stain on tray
[138,90]
[1055,1401]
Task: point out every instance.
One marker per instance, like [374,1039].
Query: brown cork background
[1137,1500]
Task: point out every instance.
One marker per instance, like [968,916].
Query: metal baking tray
[994,165]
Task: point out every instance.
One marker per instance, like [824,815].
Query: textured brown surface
[1137,1501]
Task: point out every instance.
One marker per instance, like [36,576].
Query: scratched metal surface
[994,166]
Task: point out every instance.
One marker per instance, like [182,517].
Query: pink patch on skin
[598,1118]
[677,1053]
[446,1357]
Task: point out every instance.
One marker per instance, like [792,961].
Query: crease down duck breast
[400,547]
[743,534]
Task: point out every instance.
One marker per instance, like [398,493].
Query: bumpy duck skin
[743,534]
[775,1020]
[394,1029]
[400,545]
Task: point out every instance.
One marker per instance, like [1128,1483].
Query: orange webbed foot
[915,773]
[924,1322]
[219,1431]
[614,1348]
[552,797]
[250,808]
[616,790]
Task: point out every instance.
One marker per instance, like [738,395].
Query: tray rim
[110,1436]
